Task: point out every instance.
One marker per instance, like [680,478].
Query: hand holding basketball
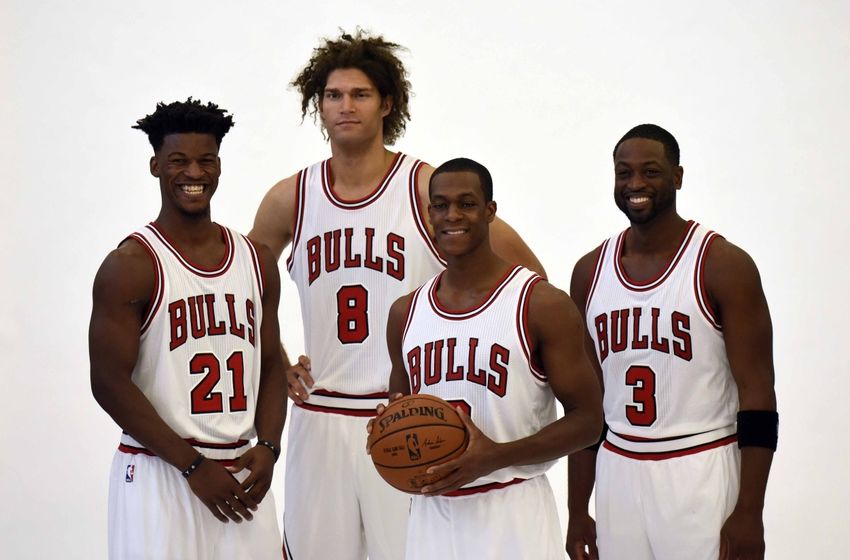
[480,458]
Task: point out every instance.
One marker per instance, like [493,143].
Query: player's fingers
[305,362]
[593,553]
[724,549]
[215,511]
[297,391]
[245,499]
[395,396]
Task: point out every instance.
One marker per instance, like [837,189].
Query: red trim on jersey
[259,270]
[327,185]
[703,301]
[635,286]
[332,410]
[483,488]
[298,215]
[474,310]
[338,395]
[597,269]
[660,456]
[159,283]
[196,269]
[419,214]
[124,448]
[522,326]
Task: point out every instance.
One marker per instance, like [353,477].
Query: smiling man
[185,357]
[679,324]
[359,240]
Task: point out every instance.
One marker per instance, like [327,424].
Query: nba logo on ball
[413,447]
[131,472]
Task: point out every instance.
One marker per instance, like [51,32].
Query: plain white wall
[756,92]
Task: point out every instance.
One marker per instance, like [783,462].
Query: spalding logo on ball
[414,433]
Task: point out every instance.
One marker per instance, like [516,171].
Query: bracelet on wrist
[272,447]
[195,464]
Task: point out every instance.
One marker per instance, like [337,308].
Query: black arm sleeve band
[758,428]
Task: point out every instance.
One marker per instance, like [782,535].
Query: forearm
[755,468]
[581,471]
[135,414]
[399,384]
[271,406]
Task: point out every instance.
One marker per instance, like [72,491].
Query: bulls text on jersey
[633,329]
[426,365]
[196,316]
[325,253]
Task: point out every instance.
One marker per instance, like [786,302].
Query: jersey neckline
[198,269]
[666,270]
[375,194]
[446,313]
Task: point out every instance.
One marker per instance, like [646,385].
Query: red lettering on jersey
[197,319]
[177,318]
[681,330]
[499,358]
[395,256]
[332,254]
[351,260]
[659,344]
[314,266]
[213,329]
[371,261]
[452,373]
[619,330]
[414,368]
[601,322]
[472,373]
[236,328]
[249,311]
[638,342]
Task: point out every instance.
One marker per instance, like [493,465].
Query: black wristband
[274,449]
[758,428]
[195,464]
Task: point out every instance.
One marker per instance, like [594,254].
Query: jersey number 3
[204,399]
[352,314]
[643,411]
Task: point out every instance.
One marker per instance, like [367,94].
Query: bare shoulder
[727,266]
[398,310]
[583,275]
[126,273]
[422,180]
[273,224]
[549,305]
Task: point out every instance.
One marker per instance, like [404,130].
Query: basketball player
[502,344]
[184,346]
[359,240]
[679,324]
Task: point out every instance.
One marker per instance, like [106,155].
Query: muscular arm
[399,382]
[504,239]
[581,468]
[275,219]
[734,288]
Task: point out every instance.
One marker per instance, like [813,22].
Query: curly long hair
[372,55]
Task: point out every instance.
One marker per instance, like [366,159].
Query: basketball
[413,434]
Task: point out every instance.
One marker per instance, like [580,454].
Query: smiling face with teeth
[459,212]
[187,166]
[645,181]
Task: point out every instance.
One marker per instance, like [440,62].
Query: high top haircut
[373,56]
[465,164]
[654,132]
[185,116]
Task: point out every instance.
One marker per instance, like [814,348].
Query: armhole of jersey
[259,271]
[418,214]
[298,216]
[411,307]
[597,269]
[159,282]
[703,301]
[522,326]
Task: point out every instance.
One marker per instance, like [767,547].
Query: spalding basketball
[414,433]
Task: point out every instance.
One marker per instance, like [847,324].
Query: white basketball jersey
[351,259]
[668,385]
[199,353]
[479,359]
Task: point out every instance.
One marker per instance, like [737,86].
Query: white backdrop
[756,92]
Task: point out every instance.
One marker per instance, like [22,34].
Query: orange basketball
[414,433]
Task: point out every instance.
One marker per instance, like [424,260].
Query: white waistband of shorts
[637,444]
[322,400]
[215,451]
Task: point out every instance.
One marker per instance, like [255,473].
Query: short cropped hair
[372,55]
[654,132]
[185,116]
[465,164]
